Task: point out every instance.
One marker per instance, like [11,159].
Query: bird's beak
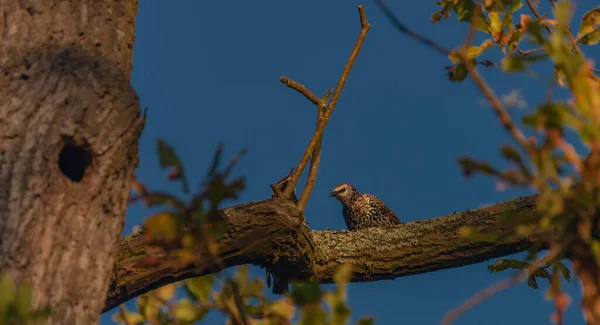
[332,194]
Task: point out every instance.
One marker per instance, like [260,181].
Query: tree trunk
[69,130]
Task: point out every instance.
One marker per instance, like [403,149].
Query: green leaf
[340,314]
[200,288]
[148,307]
[471,166]
[562,12]
[242,273]
[591,38]
[312,315]
[495,22]
[343,274]
[303,294]
[165,293]
[503,265]
[169,159]
[464,10]
[589,22]
[551,115]
[511,153]
[534,28]
[282,308]
[132,318]
[162,226]
[7,287]
[23,300]
[514,63]
[185,311]
[457,73]
[564,270]
[472,51]
[510,9]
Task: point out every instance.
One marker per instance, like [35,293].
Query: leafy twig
[531,51]
[495,288]
[568,30]
[576,49]
[537,14]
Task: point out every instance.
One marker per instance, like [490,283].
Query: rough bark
[69,129]
[270,233]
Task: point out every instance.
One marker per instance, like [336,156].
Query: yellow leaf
[495,22]
[162,226]
[472,51]
[130,318]
[282,308]
[165,293]
[589,21]
[560,76]
[185,311]
[343,274]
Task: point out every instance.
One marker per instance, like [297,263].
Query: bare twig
[422,39]
[401,27]
[300,88]
[365,27]
[324,117]
[501,112]
[316,156]
[531,51]
[276,190]
[537,14]
[559,298]
[237,298]
[568,31]
[500,286]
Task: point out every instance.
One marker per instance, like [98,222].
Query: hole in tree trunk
[73,160]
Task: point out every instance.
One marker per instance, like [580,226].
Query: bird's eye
[343,190]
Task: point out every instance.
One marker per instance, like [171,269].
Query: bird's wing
[385,211]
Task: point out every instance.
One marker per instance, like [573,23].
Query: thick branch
[270,233]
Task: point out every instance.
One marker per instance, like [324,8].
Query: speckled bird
[282,184]
[363,210]
[280,285]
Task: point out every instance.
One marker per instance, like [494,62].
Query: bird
[282,184]
[363,210]
[280,285]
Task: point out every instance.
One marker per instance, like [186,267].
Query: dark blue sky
[209,72]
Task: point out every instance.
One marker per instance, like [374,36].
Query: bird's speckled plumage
[280,285]
[282,184]
[363,210]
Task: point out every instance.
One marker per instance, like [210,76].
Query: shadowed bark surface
[271,233]
[69,129]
